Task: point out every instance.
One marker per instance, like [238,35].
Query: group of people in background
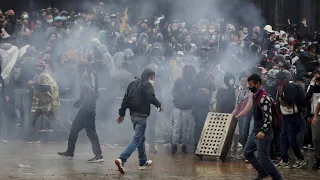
[196,68]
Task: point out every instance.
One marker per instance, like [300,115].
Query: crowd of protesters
[200,67]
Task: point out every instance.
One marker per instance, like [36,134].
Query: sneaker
[300,163]
[152,149]
[49,130]
[276,161]
[33,142]
[310,147]
[262,176]
[283,164]
[246,161]
[233,155]
[66,154]
[184,149]
[147,164]
[174,149]
[119,163]
[96,159]
[316,165]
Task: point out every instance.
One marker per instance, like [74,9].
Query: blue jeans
[247,126]
[264,165]
[138,141]
[181,119]
[290,132]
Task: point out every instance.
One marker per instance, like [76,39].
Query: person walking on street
[261,136]
[86,115]
[138,97]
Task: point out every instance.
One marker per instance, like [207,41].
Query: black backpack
[300,98]
[134,95]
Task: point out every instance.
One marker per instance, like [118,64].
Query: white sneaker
[119,163]
[147,164]
[300,163]
[283,164]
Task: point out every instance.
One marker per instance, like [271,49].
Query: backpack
[299,99]
[134,95]
[275,114]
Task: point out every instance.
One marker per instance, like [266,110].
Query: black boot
[66,154]
[262,176]
[184,149]
[174,149]
[316,165]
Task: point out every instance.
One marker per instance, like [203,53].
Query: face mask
[133,39]
[253,89]
[152,82]
[277,46]
[281,82]
[50,21]
[231,82]
[291,39]
[174,28]
[282,44]
[25,16]
[10,16]
[64,18]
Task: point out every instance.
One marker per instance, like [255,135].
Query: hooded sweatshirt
[147,96]
[226,98]
[185,89]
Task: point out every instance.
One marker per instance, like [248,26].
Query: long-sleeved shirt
[89,90]
[262,111]
[243,102]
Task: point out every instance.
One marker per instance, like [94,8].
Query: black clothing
[86,115]
[147,96]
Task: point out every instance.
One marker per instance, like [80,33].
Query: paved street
[40,162]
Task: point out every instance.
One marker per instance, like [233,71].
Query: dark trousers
[84,119]
[290,129]
[275,144]
[264,165]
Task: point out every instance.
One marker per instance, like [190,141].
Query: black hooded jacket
[147,96]
[226,98]
[185,89]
